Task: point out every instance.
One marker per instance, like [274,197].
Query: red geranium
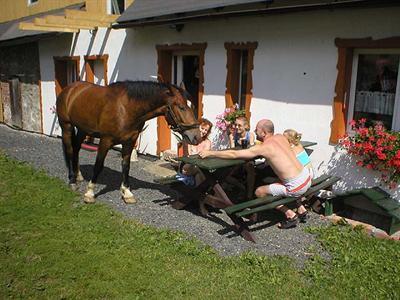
[376,148]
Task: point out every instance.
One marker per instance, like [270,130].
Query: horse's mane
[142,90]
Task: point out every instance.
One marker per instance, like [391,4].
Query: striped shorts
[293,187]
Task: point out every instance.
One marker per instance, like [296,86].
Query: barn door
[15,102]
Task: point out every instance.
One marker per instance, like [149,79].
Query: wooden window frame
[103,58]
[343,80]
[230,47]
[76,59]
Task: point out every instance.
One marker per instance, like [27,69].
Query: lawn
[53,246]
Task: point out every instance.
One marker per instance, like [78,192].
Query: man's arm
[234,154]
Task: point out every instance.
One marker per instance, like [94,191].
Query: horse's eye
[181,107]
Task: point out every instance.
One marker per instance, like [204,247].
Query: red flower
[376,148]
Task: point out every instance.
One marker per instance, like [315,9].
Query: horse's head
[180,116]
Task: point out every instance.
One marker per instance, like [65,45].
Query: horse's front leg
[105,144]
[77,142]
[126,193]
[67,140]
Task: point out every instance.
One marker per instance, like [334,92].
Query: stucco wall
[293,78]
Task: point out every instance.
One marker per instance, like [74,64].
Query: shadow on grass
[112,179]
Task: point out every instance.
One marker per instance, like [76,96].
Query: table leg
[239,225]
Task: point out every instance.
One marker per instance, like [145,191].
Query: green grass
[52,246]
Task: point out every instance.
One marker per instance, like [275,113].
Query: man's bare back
[276,150]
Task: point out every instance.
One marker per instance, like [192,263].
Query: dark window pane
[376,88]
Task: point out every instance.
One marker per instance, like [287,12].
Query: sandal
[289,223]
[304,217]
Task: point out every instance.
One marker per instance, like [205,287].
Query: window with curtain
[239,81]
[374,90]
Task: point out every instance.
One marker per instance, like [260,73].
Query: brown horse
[116,114]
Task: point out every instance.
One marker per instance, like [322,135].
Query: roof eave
[260,11]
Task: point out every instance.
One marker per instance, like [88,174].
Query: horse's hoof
[79,177]
[73,186]
[89,199]
[129,200]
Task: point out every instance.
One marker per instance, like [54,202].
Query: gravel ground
[153,206]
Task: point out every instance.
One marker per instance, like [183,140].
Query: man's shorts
[294,187]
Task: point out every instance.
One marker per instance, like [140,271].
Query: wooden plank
[306,144]
[374,194]
[269,199]
[210,163]
[84,15]
[43,22]
[65,21]
[395,213]
[266,207]
[251,203]
[166,180]
[388,204]
[31,26]
[321,186]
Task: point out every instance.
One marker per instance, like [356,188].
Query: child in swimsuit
[294,140]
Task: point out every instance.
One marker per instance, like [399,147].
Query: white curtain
[375,102]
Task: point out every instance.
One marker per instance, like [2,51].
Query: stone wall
[22,62]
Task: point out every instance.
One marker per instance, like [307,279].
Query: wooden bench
[269,202]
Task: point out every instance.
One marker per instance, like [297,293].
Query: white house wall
[124,62]
[294,72]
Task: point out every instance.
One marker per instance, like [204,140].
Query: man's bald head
[264,129]
[266,125]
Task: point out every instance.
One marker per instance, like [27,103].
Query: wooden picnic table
[215,171]
[307,144]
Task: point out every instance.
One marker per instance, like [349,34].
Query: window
[115,7]
[239,77]
[374,92]
[30,2]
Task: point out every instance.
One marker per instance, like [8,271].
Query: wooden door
[164,75]
[15,102]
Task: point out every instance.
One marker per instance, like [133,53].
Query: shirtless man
[276,150]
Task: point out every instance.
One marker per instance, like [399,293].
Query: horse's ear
[182,86]
[160,78]
[171,90]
